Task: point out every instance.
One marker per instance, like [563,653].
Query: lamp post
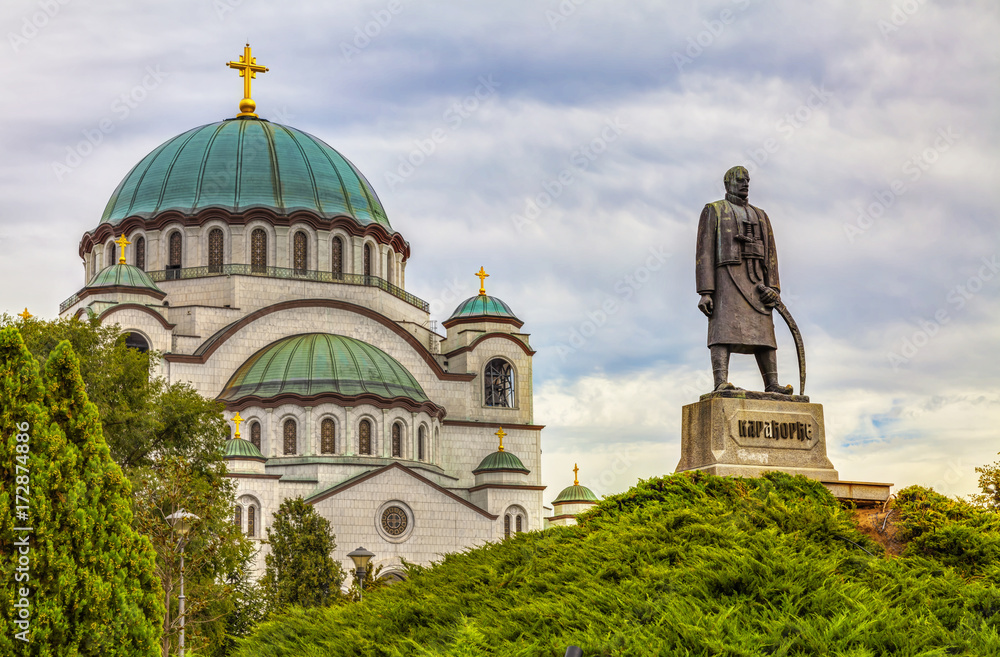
[181,521]
[361,557]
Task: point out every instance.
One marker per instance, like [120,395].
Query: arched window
[499,382]
[174,253]
[421,439]
[397,440]
[300,253]
[365,437]
[506,526]
[111,255]
[238,517]
[258,251]
[368,259]
[255,434]
[327,437]
[136,341]
[388,266]
[252,521]
[337,257]
[215,243]
[140,253]
[290,436]
[517,527]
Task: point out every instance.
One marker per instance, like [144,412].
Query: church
[261,265]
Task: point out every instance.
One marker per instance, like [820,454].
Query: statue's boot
[720,368]
[767,362]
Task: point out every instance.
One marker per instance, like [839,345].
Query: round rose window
[394,521]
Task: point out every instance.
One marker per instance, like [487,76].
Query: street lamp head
[181,521]
[361,557]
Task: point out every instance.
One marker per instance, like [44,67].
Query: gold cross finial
[576,473]
[122,242]
[500,435]
[236,420]
[25,315]
[482,280]
[248,68]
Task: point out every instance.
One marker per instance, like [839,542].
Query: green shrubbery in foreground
[688,564]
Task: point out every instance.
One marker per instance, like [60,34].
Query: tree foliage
[300,569]
[93,590]
[144,418]
[989,486]
[169,441]
[688,564]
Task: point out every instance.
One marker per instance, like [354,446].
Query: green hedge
[688,564]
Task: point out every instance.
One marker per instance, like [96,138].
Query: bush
[688,564]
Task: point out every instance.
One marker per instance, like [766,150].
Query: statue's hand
[705,305]
[769,296]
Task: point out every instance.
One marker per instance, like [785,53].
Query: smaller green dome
[576,494]
[482,306]
[238,448]
[312,364]
[500,461]
[123,276]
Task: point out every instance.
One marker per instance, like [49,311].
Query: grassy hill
[688,564]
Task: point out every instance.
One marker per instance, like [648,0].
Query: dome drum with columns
[261,266]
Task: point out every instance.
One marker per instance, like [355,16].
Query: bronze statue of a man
[737,276]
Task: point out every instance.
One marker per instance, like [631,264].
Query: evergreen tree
[168,440]
[93,589]
[29,450]
[300,569]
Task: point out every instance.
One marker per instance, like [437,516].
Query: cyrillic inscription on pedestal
[772,429]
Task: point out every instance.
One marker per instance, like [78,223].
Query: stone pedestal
[744,434]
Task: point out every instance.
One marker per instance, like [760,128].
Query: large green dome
[239,164]
[321,363]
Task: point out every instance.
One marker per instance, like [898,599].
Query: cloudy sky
[569,147]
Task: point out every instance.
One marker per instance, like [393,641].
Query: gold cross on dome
[500,435]
[248,68]
[122,242]
[482,280]
[25,315]
[576,477]
[236,420]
